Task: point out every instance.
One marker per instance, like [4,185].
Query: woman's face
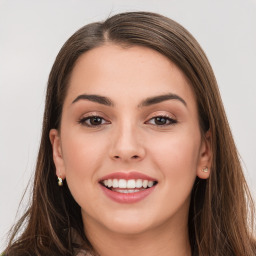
[130,145]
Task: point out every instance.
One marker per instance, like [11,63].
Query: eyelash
[83,121]
[90,118]
[168,119]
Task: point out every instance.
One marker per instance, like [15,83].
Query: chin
[129,228]
[130,223]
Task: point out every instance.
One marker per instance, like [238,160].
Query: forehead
[127,72]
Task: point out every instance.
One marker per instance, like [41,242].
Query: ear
[57,153]
[205,157]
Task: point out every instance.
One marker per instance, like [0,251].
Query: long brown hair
[221,211]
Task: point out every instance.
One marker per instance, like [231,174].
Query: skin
[130,139]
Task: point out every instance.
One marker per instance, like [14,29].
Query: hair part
[220,206]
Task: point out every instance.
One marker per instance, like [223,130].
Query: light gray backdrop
[32,32]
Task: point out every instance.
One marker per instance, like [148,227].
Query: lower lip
[129,197]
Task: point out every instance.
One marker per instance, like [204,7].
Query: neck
[163,240]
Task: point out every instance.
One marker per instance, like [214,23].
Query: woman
[136,156]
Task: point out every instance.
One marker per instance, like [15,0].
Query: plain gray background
[31,34]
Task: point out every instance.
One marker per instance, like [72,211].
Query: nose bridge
[126,143]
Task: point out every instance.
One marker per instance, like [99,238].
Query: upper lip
[127,176]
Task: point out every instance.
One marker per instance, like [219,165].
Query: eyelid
[94,113]
[163,114]
[82,120]
[173,120]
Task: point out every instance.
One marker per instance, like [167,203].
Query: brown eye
[92,121]
[162,120]
[95,120]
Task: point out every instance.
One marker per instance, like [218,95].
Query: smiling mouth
[127,186]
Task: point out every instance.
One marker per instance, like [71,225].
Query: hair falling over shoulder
[221,215]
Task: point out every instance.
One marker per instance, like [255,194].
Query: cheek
[177,156]
[176,159]
[80,150]
[82,157]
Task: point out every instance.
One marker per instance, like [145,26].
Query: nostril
[126,157]
[133,157]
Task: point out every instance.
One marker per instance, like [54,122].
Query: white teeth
[110,183]
[150,184]
[115,183]
[145,183]
[138,183]
[131,184]
[127,191]
[122,183]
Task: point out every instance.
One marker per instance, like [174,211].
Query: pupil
[95,120]
[160,120]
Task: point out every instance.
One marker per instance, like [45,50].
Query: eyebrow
[158,99]
[145,103]
[95,98]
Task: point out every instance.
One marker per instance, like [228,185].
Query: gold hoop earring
[60,182]
[205,169]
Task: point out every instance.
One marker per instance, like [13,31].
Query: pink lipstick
[127,187]
[127,176]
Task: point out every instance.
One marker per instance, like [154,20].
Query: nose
[127,144]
